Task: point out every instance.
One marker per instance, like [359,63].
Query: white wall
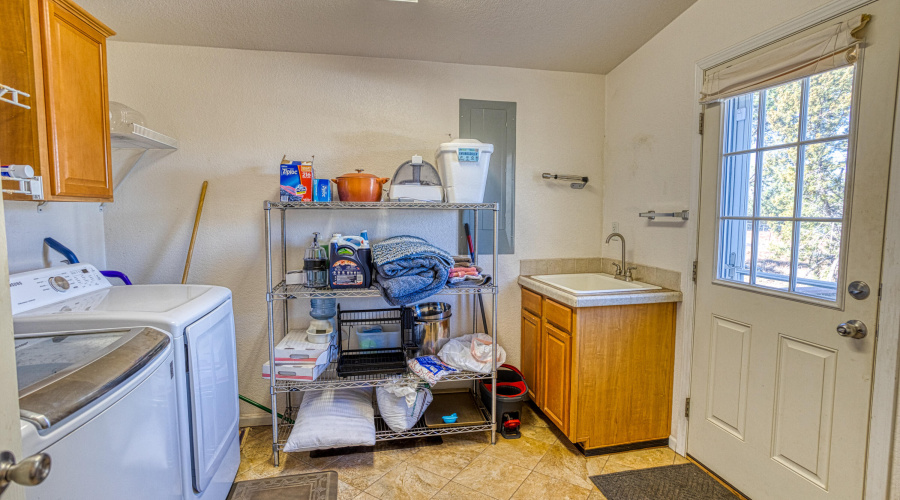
[78,226]
[651,129]
[236,113]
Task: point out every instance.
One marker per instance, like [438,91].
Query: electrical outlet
[615,227]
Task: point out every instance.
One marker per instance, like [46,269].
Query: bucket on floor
[512,392]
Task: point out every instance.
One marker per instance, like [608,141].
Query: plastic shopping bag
[471,352]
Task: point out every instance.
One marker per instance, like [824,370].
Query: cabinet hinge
[687,407]
[694,272]
[700,126]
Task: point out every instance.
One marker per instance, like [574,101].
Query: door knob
[855,329]
[29,472]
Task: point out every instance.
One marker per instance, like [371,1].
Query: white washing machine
[103,405]
[199,320]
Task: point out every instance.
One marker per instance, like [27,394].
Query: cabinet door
[556,372]
[77,112]
[531,355]
[20,55]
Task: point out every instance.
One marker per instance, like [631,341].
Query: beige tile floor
[541,464]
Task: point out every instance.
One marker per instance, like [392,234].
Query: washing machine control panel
[34,289]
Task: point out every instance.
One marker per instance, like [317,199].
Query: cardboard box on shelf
[297,180]
[308,372]
[295,350]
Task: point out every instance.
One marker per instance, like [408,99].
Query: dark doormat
[672,482]
[315,486]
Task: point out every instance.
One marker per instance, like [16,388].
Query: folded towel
[409,269]
[462,261]
[457,272]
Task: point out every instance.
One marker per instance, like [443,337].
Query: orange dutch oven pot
[360,186]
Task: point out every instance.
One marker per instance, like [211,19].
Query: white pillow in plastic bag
[395,411]
[334,418]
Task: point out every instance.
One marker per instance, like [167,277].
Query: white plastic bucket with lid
[463,165]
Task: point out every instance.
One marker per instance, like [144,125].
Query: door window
[783,179]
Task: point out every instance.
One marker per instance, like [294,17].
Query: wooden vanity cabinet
[602,375]
[56,51]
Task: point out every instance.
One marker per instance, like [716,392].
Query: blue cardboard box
[322,190]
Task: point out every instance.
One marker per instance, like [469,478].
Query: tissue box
[322,191]
[295,350]
[294,372]
[297,181]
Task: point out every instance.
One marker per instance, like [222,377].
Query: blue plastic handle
[64,250]
[116,274]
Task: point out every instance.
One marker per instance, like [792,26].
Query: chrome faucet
[619,269]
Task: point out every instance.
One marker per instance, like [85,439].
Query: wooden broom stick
[187,263]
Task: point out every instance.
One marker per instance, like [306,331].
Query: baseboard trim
[606,450]
[253,420]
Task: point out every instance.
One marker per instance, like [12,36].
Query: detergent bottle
[350,258]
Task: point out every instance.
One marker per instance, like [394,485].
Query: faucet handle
[628,271]
[618,269]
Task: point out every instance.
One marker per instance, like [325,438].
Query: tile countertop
[600,299]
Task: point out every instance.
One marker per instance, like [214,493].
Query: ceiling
[587,36]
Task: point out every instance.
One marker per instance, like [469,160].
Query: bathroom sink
[592,284]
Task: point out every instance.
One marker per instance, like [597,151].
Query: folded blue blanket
[409,269]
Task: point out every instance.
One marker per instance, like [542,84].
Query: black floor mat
[672,482]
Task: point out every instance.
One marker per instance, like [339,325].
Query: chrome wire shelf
[329,379]
[351,205]
[283,292]
[384,433]
[281,428]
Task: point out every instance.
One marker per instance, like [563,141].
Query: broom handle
[187,263]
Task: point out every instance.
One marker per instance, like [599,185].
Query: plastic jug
[351,259]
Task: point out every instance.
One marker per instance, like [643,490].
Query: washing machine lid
[168,307]
[60,373]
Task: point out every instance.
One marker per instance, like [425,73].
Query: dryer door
[212,377]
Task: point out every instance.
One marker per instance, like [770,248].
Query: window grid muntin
[799,181]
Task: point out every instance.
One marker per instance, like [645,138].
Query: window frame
[850,137]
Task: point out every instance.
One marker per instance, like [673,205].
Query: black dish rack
[353,362]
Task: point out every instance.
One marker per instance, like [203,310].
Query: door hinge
[694,272]
[687,407]
[700,127]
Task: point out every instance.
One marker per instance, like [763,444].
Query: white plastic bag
[471,352]
[402,387]
[395,410]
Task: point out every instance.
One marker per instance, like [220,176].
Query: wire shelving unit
[277,290]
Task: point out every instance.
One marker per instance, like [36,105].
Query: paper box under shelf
[307,372]
[295,350]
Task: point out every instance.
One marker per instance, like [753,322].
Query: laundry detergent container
[463,165]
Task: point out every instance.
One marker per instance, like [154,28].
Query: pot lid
[358,175]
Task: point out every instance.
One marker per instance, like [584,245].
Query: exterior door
[792,212]
[10,435]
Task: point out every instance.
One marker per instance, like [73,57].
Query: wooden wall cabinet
[602,375]
[56,51]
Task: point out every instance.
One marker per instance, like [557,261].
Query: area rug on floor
[672,482]
[315,486]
